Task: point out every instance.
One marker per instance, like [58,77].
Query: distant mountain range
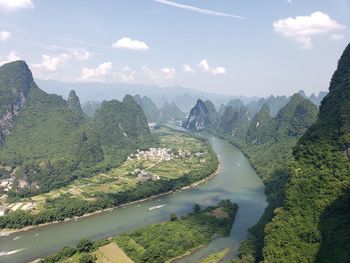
[184,98]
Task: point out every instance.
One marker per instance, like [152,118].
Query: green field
[120,179]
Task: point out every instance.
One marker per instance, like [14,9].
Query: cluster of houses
[163,153]
[152,126]
[144,175]
[6,184]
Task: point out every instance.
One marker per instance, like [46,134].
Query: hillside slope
[313,225]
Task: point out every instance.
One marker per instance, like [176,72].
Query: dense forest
[313,225]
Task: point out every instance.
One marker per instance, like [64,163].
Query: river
[237,181]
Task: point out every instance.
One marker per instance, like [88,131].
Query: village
[163,154]
[142,174]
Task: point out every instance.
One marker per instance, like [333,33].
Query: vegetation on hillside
[268,144]
[313,225]
[159,243]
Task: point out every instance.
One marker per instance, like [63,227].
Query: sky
[236,47]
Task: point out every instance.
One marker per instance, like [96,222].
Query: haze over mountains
[184,98]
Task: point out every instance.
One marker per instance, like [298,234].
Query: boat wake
[156,207]
[7,253]
[17,237]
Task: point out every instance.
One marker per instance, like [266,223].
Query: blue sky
[237,47]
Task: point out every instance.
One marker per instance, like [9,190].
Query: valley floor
[181,161]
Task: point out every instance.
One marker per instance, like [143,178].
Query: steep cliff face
[199,118]
[74,102]
[15,83]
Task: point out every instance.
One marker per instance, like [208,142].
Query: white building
[2,211]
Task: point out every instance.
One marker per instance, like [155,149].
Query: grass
[111,253]
[216,257]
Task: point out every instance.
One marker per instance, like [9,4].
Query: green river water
[237,181]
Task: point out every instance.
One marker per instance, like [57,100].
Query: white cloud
[15,4]
[102,70]
[197,9]
[50,63]
[204,66]
[168,73]
[303,29]
[187,69]
[126,74]
[127,43]
[81,54]
[219,71]
[12,56]
[160,75]
[290,1]
[4,35]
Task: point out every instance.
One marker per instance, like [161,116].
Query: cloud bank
[302,29]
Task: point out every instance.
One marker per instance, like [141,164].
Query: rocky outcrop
[18,77]
[74,102]
[199,118]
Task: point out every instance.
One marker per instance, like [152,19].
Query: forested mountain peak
[262,126]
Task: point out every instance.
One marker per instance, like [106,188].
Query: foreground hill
[313,225]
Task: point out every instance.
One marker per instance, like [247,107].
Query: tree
[173,217]
[196,208]
[84,245]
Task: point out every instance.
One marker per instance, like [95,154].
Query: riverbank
[6,232]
